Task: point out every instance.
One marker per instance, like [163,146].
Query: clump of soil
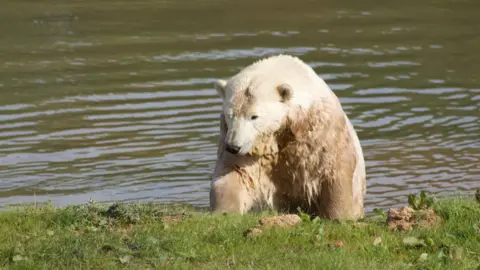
[281,221]
[405,219]
[252,232]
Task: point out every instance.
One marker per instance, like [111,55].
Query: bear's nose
[233,149]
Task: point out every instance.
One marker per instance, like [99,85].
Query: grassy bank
[149,236]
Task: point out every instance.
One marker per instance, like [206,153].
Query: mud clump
[252,232]
[281,221]
[405,219]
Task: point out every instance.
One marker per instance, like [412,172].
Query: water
[114,101]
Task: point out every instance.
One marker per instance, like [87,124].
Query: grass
[150,236]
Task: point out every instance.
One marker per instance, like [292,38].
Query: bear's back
[265,74]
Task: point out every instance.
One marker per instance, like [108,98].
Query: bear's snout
[233,149]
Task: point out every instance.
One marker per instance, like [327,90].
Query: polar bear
[286,143]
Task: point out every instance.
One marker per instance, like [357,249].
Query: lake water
[113,100]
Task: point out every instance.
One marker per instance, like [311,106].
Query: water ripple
[123,108]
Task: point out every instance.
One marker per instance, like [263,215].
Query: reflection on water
[115,101]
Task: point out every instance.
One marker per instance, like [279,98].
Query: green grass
[146,236]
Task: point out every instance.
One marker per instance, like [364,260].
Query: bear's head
[252,109]
[267,96]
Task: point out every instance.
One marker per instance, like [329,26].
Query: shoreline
[158,236]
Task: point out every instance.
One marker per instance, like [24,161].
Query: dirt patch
[405,219]
[281,221]
[252,232]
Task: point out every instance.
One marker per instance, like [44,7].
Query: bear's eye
[254,117]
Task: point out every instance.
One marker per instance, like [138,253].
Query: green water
[113,100]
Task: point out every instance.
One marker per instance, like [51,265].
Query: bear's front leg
[228,191]
[337,200]
[229,194]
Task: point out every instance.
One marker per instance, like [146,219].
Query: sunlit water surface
[113,101]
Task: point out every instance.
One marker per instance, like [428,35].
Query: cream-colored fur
[296,146]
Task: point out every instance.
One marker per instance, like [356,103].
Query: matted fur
[309,163]
[316,164]
[314,161]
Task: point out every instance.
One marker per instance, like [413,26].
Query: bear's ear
[220,87]
[285,91]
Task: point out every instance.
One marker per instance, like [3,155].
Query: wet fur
[309,163]
[313,161]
